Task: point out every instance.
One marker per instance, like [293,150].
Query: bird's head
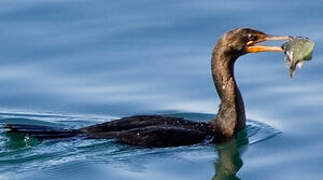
[245,40]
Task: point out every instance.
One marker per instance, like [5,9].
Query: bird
[163,131]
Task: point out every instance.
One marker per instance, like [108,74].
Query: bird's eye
[251,37]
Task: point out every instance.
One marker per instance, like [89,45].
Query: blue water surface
[76,63]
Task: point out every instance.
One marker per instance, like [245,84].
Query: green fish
[297,50]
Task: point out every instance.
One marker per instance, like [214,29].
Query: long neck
[231,115]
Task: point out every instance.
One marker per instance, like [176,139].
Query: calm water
[76,63]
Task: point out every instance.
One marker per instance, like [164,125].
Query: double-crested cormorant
[161,131]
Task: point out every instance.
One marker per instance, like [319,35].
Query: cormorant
[162,131]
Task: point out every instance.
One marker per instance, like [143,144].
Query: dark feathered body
[151,131]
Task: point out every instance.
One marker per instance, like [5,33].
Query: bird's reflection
[229,161]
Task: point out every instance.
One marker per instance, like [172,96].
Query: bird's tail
[42,131]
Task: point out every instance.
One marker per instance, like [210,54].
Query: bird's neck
[231,114]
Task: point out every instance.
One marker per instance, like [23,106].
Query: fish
[297,50]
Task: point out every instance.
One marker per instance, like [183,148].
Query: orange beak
[252,48]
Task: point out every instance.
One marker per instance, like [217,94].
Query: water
[75,63]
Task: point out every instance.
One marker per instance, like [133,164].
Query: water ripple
[24,155]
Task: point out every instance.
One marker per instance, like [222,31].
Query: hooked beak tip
[277,38]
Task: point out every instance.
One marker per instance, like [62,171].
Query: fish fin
[292,71]
[291,74]
[300,64]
